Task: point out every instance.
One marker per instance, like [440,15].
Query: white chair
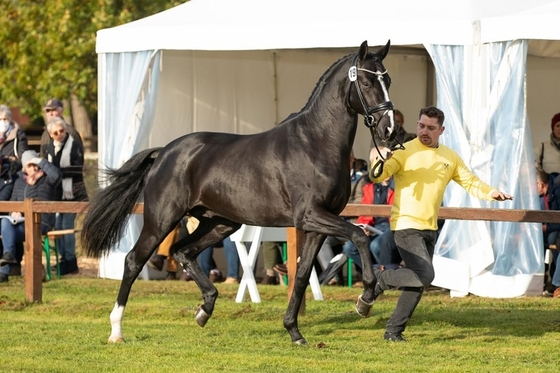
[256,235]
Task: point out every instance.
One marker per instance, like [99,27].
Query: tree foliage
[48,47]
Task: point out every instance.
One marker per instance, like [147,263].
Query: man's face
[429,130]
[541,188]
[399,121]
[54,112]
[556,130]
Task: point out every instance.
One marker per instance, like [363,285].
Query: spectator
[400,137]
[547,153]
[157,261]
[549,195]
[271,259]
[382,244]
[38,180]
[68,155]
[13,141]
[54,108]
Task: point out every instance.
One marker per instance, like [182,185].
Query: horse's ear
[363,50]
[382,53]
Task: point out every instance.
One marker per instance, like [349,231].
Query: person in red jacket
[382,245]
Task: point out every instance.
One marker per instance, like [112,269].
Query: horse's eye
[366,83]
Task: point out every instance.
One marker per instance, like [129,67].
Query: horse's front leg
[333,225]
[310,247]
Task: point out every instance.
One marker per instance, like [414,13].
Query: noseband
[369,119]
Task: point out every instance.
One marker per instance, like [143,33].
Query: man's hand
[501,196]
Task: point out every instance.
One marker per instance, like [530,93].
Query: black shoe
[156,262]
[281,269]
[269,280]
[3,278]
[15,270]
[394,337]
[8,258]
[69,267]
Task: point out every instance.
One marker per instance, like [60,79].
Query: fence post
[293,238]
[33,253]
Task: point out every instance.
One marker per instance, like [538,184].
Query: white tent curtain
[129,101]
[486,123]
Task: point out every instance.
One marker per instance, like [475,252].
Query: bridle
[369,119]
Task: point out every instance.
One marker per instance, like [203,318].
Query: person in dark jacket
[38,180]
[13,141]
[67,154]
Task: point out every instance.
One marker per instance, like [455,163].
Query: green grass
[68,332]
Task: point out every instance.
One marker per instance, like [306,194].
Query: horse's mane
[315,91]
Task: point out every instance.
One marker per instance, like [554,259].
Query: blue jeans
[12,234]
[66,244]
[551,240]
[206,260]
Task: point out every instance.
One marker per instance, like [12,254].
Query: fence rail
[33,242]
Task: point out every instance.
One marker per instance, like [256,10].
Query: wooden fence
[33,246]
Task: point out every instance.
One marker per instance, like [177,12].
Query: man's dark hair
[542,176]
[433,112]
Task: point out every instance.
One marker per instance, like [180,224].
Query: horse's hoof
[201,317]
[301,342]
[117,339]
[362,307]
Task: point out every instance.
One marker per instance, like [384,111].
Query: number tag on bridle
[353,74]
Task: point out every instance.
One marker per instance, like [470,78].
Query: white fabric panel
[213,91]
[486,123]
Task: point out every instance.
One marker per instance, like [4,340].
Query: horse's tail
[110,209]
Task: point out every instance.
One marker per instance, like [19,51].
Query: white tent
[242,66]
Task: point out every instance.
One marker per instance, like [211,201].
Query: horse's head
[369,90]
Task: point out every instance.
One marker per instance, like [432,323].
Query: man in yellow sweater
[421,173]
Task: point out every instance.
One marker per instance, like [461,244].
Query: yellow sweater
[421,175]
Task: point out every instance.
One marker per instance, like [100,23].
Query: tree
[48,50]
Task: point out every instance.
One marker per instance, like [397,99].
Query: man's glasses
[49,110]
[59,132]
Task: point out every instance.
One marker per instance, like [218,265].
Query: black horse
[295,174]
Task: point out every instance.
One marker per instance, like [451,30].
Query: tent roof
[293,24]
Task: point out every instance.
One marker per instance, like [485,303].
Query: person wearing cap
[547,153]
[13,141]
[67,154]
[38,180]
[55,108]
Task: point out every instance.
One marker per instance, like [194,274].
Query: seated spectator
[157,261]
[38,180]
[548,188]
[382,244]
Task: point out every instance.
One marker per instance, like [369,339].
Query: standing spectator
[54,108]
[68,155]
[13,141]
[547,153]
[421,173]
[38,180]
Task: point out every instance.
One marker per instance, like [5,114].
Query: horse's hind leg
[134,262]
[310,247]
[208,232]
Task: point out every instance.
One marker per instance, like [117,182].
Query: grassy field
[68,332]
